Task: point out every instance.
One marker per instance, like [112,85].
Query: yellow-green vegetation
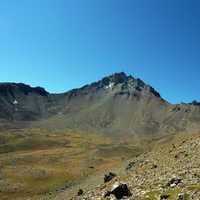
[39,162]
[154,195]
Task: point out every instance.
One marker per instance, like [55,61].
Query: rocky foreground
[171,171]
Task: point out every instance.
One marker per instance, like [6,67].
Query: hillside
[170,171]
[117,104]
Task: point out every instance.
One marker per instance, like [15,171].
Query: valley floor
[41,164]
[45,164]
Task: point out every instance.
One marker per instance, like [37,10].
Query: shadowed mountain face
[22,102]
[115,104]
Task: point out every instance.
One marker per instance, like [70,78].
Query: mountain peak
[115,78]
[120,83]
[118,76]
[128,82]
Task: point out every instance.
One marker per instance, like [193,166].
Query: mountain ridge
[118,103]
[105,81]
[116,78]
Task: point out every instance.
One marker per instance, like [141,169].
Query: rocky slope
[170,171]
[115,104]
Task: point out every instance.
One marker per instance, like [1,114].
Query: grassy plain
[38,163]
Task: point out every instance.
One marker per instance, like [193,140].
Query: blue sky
[62,44]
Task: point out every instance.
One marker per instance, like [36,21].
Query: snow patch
[15,102]
[110,86]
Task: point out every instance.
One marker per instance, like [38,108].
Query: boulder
[174,182]
[108,177]
[181,197]
[80,192]
[119,190]
[130,165]
[164,197]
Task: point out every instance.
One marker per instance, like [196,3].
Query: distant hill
[116,104]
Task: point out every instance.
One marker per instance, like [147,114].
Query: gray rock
[108,177]
[174,182]
[181,197]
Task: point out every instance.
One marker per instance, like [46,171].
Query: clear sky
[62,44]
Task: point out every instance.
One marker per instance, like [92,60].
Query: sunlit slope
[121,104]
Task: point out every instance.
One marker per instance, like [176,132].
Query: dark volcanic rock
[80,192]
[164,197]
[108,177]
[119,191]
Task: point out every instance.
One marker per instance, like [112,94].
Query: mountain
[116,104]
[53,146]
